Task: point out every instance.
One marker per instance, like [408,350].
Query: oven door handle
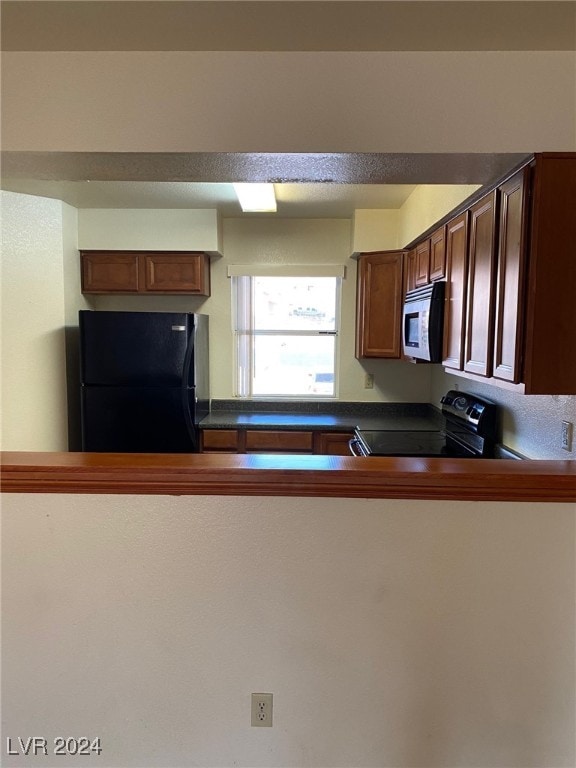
[356,448]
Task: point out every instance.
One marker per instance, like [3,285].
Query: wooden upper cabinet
[110,272]
[410,271]
[478,348]
[510,279]
[177,273]
[455,296]
[158,272]
[422,264]
[550,341]
[438,254]
[379,304]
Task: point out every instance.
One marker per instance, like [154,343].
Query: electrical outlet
[369,381]
[567,428]
[262,710]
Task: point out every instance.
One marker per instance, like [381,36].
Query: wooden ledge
[284,475]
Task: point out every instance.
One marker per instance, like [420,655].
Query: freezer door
[134,348]
[138,420]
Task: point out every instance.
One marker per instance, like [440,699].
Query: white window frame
[244,331]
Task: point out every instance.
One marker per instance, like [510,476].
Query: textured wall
[33,318]
[391,633]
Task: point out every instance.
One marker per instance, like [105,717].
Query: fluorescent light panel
[256,198]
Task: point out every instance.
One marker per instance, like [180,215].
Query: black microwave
[423,322]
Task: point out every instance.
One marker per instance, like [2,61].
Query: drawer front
[220,440]
[283,442]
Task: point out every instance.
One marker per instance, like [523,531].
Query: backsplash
[531,424]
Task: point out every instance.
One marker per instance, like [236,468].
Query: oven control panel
[470,411]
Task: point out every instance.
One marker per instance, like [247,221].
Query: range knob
[460,403]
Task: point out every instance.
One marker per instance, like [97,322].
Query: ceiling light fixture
[256,198]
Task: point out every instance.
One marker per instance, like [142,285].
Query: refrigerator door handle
[187,390]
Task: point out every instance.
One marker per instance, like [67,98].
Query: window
[286,333]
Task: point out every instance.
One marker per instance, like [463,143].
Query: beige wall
[287,241]
[33,319]
[391,633]
[230,101]
[143,229]
[428,204]
[375,230]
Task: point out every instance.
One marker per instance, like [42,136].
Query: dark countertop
[325,416]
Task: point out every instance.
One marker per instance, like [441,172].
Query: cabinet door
[278,442]
[481,280]
[509,321]
[177,273]
[332,443]
[410,271]
[422,264]
[455,297]
[438,255]
[379,304]
[109,272]
[220,440]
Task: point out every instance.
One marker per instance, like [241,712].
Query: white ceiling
[322,200]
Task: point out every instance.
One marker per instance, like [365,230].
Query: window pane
[295,303]
[294,365]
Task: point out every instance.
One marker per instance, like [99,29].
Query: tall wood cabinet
[455,293]
[550,318]
[511,278]
[478,345]
[379,304]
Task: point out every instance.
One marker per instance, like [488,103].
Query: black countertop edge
[322,407]
[326,416]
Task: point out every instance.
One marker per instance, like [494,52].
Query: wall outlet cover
[261,710]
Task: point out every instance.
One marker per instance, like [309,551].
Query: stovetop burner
[388,443]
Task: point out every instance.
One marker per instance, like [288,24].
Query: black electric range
[469,431]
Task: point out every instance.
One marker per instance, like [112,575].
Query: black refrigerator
[144,381]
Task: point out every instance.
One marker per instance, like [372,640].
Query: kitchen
[531,424]
[449,620]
